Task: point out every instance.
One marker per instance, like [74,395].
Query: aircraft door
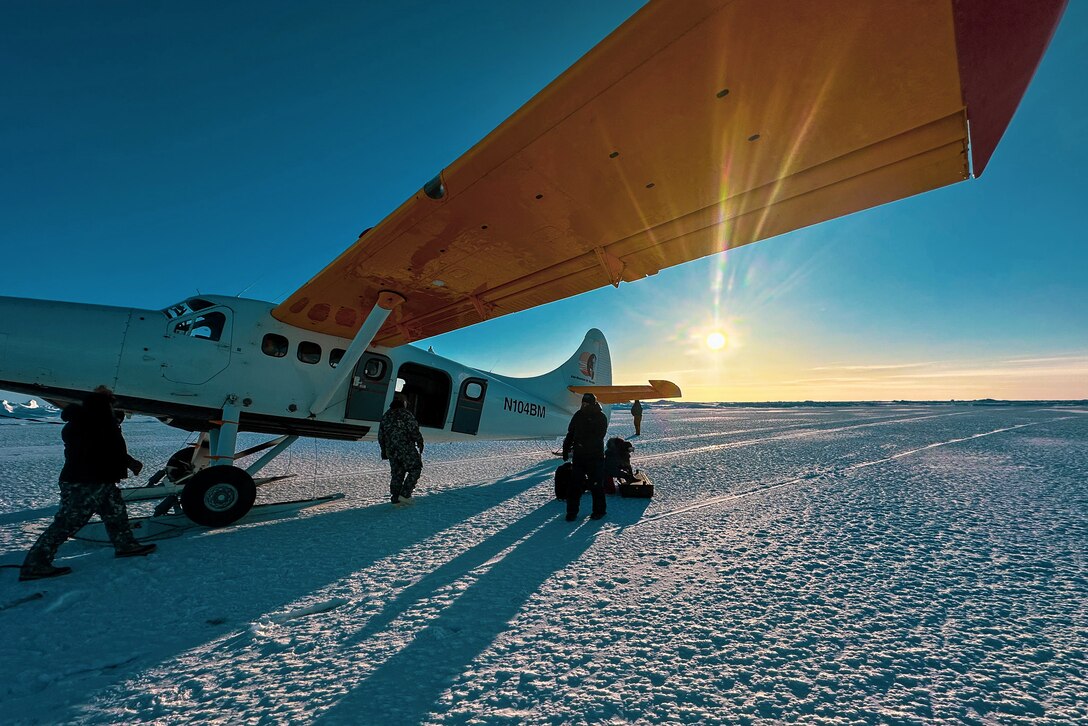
[369,387]
[197,346]
[470,404]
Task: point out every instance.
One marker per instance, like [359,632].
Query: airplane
[693,128]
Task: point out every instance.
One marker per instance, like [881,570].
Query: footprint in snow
[65,601]
[315,609]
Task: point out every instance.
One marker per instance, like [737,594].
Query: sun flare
[715,341]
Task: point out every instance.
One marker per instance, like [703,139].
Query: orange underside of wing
[696,127]
[623,394]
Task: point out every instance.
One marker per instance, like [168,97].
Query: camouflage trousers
[78,502]
[404,473]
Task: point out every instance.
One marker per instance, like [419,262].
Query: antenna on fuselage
[255,281]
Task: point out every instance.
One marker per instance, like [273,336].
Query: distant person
[636,413]
[585,441]
[402,444]
[95,460]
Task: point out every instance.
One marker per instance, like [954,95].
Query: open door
[470,403]
[369,387]
[426,393]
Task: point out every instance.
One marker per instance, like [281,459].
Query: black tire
[218,496]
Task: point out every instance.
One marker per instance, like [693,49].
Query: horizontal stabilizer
[622,394]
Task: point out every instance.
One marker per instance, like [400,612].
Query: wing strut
[387,300]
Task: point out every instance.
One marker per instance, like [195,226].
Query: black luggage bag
[640,488]
[563,478]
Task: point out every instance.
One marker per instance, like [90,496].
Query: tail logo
[588,363]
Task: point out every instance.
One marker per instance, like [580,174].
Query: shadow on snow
[222,579]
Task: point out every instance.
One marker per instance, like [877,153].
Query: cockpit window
[207,327]
[192,305]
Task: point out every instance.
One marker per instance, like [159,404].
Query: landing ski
[149,529]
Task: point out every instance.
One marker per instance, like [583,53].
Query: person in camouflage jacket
[95,460]
[402,444]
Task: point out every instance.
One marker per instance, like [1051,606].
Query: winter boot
[40,572]
[136,550]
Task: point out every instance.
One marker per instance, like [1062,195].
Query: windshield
[185,307]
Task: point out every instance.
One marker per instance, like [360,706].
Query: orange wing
[695,127]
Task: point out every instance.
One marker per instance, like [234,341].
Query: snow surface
[896,564]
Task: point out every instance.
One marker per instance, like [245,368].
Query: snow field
[871,564]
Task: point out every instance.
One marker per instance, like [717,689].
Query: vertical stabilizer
[590,365]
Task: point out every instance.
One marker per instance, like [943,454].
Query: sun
[715,341]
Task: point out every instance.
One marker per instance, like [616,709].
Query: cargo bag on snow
[563,478]
[640,488]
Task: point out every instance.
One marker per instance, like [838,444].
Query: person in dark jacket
[617,461]
[95,460]
[636,413]
[402,444]
[585,441]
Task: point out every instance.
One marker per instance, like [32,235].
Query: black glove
[385,457]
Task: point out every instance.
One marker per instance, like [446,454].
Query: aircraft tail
[590,365]
[589,370]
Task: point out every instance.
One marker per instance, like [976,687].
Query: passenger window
[374,369]
[473,391]
[274,345]
[309,352]
[205,327]
[335,356]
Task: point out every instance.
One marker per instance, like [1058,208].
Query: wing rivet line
[539,196]
[613,155]
[723,93]
[650,185]
[754,137]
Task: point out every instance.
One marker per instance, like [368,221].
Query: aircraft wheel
[218,496]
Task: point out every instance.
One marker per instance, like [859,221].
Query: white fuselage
[183,364]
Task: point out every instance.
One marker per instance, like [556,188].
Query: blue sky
[153,149]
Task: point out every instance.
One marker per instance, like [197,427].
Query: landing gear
[203,479]
[180,465]
[218,496]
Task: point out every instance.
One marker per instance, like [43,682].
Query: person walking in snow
[636,413]
[95,460]
[402,444]
[585,441]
